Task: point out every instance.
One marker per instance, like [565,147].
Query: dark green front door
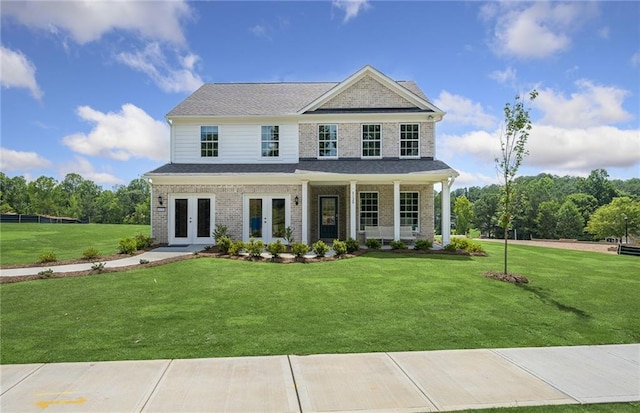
[328,217]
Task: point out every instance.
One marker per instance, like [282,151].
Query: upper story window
[371,139]
[270,141]
[208,141]
[409,140]
[327,141]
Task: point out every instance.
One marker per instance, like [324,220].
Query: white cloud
[261,30]
[153,62]
[592,105]
[351,8]
[11,160]
[18,71]
[130,133]
[462,110]
[534,30]
[87,21]
[84,168]
[468,179]
[506,76]
[576,150]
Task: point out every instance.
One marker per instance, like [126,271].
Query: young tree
[512,151]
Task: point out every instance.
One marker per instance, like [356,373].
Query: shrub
[143,261]
[127,246]
[373,244]
[276,248]
[254,248]
[475,247]
[460,243]
[48,256]
[320,248]
[219,232]
[236,247]
[450,248]
[47,273]
[91,253]
[352,245]
[143,241]
[422,244]
[299,249]
[224,243]
[98,266]
[340,247]
[398,245]
[288,235]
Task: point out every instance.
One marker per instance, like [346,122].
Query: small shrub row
[464,244]
[131,245]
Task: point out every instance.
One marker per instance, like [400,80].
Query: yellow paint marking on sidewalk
[46,403]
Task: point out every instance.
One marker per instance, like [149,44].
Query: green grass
[23,243]
[566,408]
[378,302]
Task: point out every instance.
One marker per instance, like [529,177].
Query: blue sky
[86,85]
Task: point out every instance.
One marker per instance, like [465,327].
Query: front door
[266,217]
[328,217]
[191,219]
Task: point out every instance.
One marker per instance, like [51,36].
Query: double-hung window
[368,210]
[327,141]
[409,140]
[270,141]
[410,210]
[371,141]
[208,141]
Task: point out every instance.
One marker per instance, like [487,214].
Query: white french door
[266,217]
[191,219]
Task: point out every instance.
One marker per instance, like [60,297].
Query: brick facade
[367,93]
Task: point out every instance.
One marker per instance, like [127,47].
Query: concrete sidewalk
[375,382]
[157,254]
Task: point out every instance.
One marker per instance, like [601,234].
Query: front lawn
[23,243]
[377,302]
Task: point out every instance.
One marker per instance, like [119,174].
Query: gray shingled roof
[266,99]
[341,166]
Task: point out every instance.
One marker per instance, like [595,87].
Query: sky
[86,85]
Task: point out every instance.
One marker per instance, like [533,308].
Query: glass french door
[266,217]
[328,217]
[191,219]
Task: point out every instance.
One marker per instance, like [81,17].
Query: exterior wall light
[296,200]
[160,199]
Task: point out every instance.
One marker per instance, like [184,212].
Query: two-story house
[327,159]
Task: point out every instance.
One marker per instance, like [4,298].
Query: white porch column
[305,212]
[446,211]
[396,210]
[353,225]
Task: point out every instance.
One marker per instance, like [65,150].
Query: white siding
[237,143]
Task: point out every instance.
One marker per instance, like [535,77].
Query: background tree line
[76,197]
[551,207]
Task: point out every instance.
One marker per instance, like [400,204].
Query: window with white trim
[270,141]
[371,139]
[327,141]
[409,140]
[410,210]
[208,141]
[368,210]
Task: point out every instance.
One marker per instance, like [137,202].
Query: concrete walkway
[421,381]
[151,256]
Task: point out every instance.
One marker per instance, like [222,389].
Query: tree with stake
[512,146]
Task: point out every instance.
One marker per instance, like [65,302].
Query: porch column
[353,227]
[396,210]
[305,212]
[446,211]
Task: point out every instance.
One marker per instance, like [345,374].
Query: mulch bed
[509,277]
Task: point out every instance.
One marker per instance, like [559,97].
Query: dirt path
[580,246]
